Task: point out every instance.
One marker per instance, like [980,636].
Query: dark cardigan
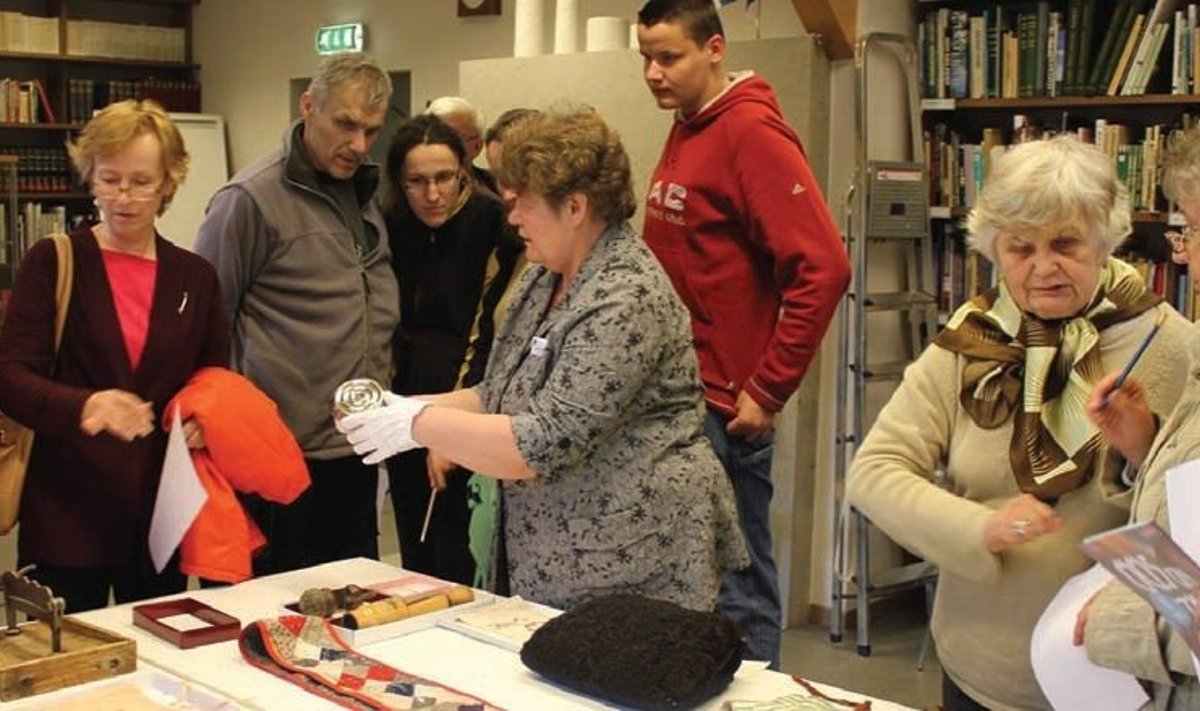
[88,500]
[446,298]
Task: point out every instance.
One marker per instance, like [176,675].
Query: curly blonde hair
[116,126]
[1181,165]
[569,150]
[1051,182]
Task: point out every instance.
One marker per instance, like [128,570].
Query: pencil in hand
[428,513]
[1137,355]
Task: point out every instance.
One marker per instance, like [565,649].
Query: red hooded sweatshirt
[247,449]
[739,223]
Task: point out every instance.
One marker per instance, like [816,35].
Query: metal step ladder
[887,212]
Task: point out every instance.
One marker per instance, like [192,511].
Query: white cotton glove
[384,431]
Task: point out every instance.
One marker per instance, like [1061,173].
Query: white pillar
[527,28]
[566,26]
[607,33]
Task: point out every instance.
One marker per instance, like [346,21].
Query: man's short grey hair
[1181,165]
[446,106]
[351,70]
[1042,184]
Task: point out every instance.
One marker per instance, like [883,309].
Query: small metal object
[357,395]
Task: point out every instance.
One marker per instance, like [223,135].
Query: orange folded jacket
[248,449]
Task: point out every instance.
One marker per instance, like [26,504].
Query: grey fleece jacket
[309,308]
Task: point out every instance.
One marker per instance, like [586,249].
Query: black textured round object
[638,652]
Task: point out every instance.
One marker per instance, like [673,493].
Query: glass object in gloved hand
[383,431]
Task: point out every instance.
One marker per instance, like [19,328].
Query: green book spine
[1071,74]
[1110,65]
[1027,54]
[1107,48]
[1042,27]
[1084,61]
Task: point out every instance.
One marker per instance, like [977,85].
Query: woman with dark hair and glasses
[453,257]
[144,316]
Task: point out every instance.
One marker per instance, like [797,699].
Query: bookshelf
[8,211]
[1063,76]
[62,59]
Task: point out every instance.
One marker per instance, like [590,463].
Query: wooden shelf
[939,212]
[1150,217]
[107,61]
[53,196]
[1059,102]
[40,126]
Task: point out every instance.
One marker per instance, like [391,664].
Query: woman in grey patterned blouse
[591,408]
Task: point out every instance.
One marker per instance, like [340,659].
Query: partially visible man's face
[338,135]
[466,129]
[680,72]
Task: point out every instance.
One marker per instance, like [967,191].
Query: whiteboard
[208,169]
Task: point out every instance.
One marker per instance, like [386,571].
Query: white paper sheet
[1183,498]
[1068,679]
[185,622]
[180,498]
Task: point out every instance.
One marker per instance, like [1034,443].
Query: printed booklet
[1145,558]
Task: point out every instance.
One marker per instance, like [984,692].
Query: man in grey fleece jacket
[302,254]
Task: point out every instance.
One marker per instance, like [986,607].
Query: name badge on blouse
[537,346]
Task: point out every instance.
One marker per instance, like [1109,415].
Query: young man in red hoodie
[738,221]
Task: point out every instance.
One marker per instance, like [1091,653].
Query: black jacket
[450,279]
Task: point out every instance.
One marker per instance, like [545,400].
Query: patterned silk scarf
[1040,374]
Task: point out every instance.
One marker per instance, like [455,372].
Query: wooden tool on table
[22,594]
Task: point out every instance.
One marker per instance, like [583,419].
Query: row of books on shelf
[28,33]
[958,169]
[24,101]
[92,38]
[1170,281]
[1061,48]
[963,273]
[84,96]
[42,170]
[34,220]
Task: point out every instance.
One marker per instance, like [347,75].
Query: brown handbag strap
[62,283]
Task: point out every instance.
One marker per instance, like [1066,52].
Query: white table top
[471,666]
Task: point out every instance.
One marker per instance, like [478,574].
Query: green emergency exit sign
[334,39]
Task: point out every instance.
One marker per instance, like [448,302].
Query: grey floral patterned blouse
[606,408]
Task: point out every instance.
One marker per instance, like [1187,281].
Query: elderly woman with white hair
[1120,629]
[997,403]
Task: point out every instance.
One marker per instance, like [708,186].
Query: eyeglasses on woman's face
[1181,239]
[444,181]
[139,188]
